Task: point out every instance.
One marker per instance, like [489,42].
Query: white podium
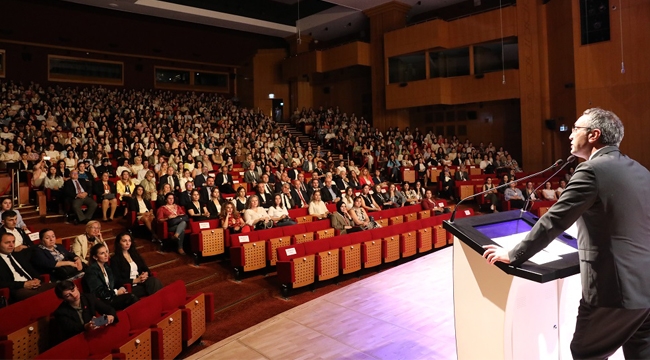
[505,312]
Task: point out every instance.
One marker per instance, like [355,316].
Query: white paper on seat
[244,239]
[204,225]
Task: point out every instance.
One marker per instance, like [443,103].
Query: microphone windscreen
[571,159]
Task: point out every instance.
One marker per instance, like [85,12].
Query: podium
[507,312]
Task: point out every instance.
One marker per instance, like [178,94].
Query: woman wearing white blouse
[317,207]
[279,214]
[548,193]
[348,197]
[256,216]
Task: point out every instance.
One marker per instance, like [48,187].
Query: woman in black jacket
[52,258]
[129,267]
[76,312]
[99,280]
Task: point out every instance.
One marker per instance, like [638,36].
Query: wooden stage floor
[405,312]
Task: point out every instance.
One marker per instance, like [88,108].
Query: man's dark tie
[18,268]
[77,186]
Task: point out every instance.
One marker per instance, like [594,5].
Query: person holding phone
[80,312]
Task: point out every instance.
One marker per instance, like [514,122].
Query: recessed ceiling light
[113,4]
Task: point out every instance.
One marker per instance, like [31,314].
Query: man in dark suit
[287,197]
[330,192]
[461,174]
[293,171]
[311,189]
[171,179]
[77,193]
[308,166]
[206,190]
[266,199]
[17,274]
[185,198]
[106,167]
[224,181]
[607,197]
[300,197]
[23,244]
[201,178]
[285,180]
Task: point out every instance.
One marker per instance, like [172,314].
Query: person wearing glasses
[85,241]
[612,214]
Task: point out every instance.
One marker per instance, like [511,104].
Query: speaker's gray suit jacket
[609,198]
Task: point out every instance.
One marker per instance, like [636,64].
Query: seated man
[78,310]
[300,197]
[17,274]
[514,195]
[224,181]
[77,193]
[266,199]
[22,240]
[251,176]
[206,189]
[185,198]
[330,192]
[202,178]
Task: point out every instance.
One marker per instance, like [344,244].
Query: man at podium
[609,200]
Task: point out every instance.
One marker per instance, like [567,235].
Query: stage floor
[405,312]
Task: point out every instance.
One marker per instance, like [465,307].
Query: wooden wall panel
[267,77]
[456,90]
[493,123]
[600,83]
[346,88]
[457,33]
[355,53]
[301,66]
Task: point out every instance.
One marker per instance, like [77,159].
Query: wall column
[384,18]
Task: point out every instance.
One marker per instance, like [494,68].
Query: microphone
[569,160]
[555,164]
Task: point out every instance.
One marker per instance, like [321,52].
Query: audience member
[255,216]
[129,268]
[77,193]
[76,313]
[100,281]
[514,195]
[317,207]
[231,220]
[279,213]
[52,258]
[342,221]
[175,218]
[106,191]
[17,274]
[85,241]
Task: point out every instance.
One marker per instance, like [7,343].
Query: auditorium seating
[207,239]
[303,264]
[159,326]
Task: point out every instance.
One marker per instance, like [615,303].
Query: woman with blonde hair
[149,186]
[85,241]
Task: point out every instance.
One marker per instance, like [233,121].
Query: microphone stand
[569,160]
[555,164]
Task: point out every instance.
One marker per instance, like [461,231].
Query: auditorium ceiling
[324,20]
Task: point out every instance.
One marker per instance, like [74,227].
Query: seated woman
[164,190]
[561,188]
[255,215]
[365,178]
[491,196]
[279,214]
[54,182]
[143,210]
[125,187]
[176,220]
[395,197]
[548,193]
[197,210]
[342,221]
[77,311]
[215,204]
[421,191]
[430,204]
[51,258]
[380,198]
[7,204]
[360,216]
[231,220]
[348,197]
[317,207]
[241,200]
[99,280]
[149,185]
[411,195]
[129,268]
[84,242]
[106,193]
